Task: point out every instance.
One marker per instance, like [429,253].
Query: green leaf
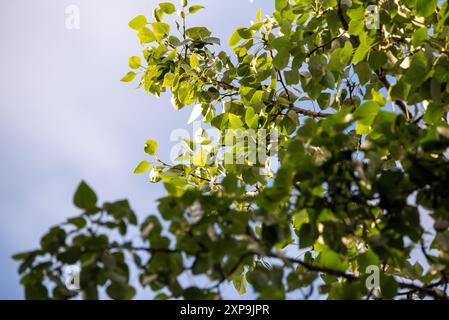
[161,296]
[363,49]
[234,39]
[234,121]
[120,291]
[368,258]
[340,57]
[251,118]
[145,35]
[356,27]
[330,259]
[198,33]
[36,292]
[194,62]
[200,159]
[361,53]
[195,9]
[138,22]
[365,115]
[416,74]
[259,14]
[167,7]
[121,210]
[434,114]
[363,72]
[169,78]
[151,147]
[425,8]
[377,59]
[280,4]
[324,100]
[378,98]
[142,167]
[129,76]
[299,219]
[53,240]
[134,62]
[79,222]
[282,58]
[399,91]
[174,41]
[70,256]
[230,183]
[245,33]
[85,197]
[220,121]
[21,256]
[291,77]
[420,36]
[388,286]
[306,236]
[239,281]
[160,29]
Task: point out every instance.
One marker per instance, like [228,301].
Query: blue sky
[64,115]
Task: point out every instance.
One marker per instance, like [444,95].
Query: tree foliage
[362,135]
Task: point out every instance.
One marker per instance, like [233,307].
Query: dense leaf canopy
[356,94]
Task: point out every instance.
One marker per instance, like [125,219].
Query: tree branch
[311,267]
[428,289]
[341,16]
[310,113]
[311,52]
[291,106]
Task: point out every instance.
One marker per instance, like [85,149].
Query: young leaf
[138,22]
[167,7]
[160,29]
[280,4]
[134,62]
[200,159]
[234,39]
[129,77]
[142,167]
[151,147]
[365,115]
[194,62]
[145,35]
[195,9]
